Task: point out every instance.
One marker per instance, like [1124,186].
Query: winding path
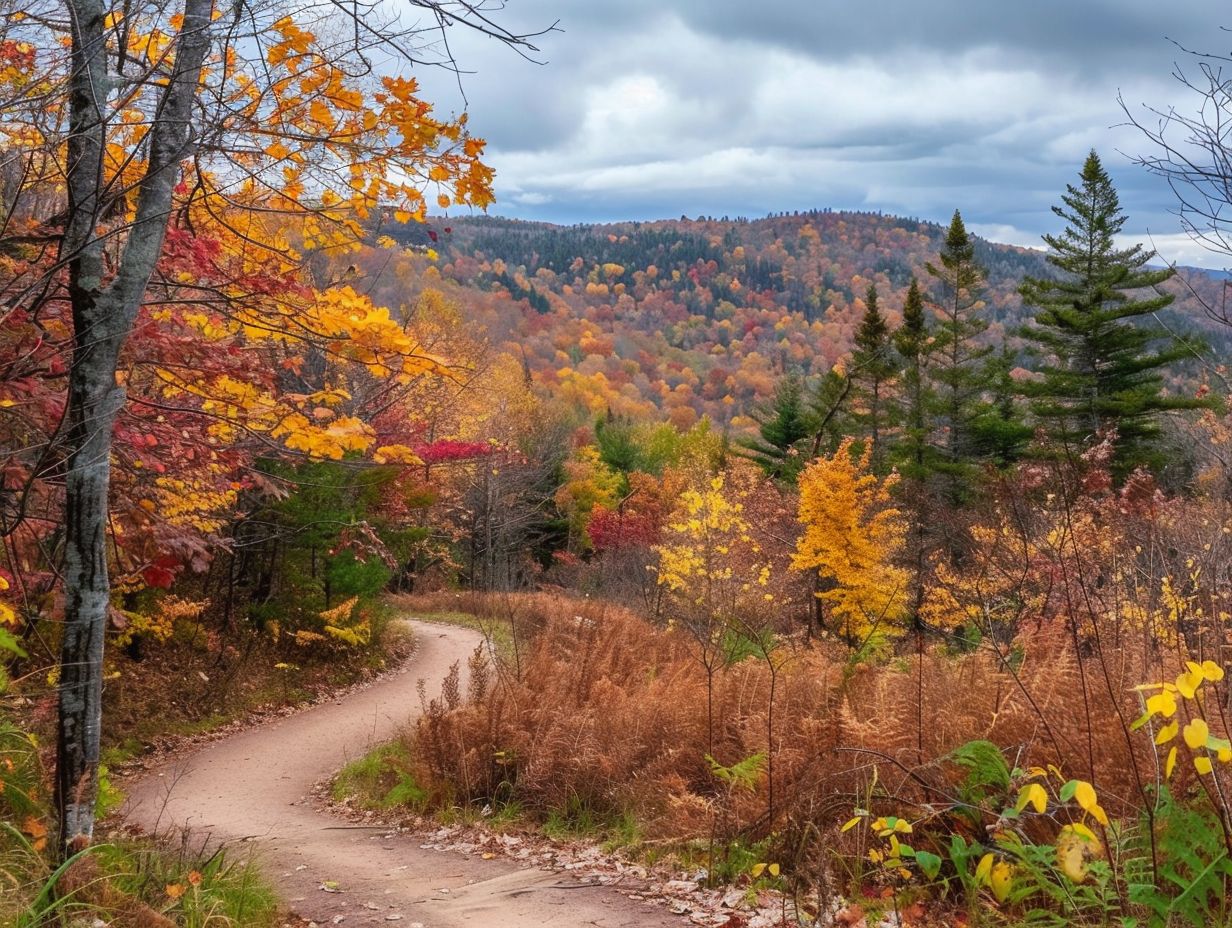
[255,786]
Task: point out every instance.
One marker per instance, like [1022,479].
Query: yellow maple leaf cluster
[852,533]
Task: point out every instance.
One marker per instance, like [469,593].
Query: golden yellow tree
[852,533]
[713,571]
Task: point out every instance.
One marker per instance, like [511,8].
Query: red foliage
[613,530]
[446,451]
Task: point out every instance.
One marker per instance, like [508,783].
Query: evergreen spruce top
[872,348]
[1099,365]
[957,355]
[911,452]
[910,338]
[873,368]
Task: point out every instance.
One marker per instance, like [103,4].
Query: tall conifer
[873,369]
[957,369]
[911,451]
[1100,358]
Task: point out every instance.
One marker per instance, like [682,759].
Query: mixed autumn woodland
[829,555]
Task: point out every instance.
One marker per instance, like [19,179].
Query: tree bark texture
[103,315]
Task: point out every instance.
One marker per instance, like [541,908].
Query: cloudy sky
[649,109]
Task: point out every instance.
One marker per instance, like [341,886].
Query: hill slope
[684,318]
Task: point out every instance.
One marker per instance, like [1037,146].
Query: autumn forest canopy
[846,561]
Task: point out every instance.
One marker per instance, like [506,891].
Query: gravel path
[255,787]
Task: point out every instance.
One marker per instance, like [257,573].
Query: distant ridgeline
[683,318]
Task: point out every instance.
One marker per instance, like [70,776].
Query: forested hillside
[689,318]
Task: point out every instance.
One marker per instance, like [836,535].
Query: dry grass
[605,714]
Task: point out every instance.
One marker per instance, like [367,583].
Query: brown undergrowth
[193,683]
[604,714]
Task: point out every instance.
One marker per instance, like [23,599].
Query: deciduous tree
[252,137]
[852,535]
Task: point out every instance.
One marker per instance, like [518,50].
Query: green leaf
[743,773]
[10,643]
[1067,791]
[930,864]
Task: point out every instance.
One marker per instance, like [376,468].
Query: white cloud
[686,106]
[1178,248]
[1006,235]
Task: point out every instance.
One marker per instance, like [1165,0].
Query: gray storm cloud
[652,110]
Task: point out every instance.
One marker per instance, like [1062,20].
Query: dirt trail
[255,785]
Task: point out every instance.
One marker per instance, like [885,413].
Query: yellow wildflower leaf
[1203,765]
[1167,733]
[1032,795]
[1162,704]
[1084,793]
[1187,684]
[1196,733]
[1072,859]
[1082,831]
[1001,880]
[984,868]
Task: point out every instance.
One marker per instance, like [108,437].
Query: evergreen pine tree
[1100,363]
[911,452]
[872,370]
[957,369]
[1000,434]
[829,416]
[782,426]
[617,446]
